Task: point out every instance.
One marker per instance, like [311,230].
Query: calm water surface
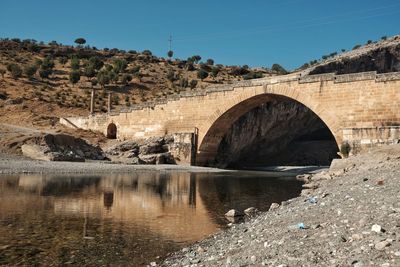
[122,219]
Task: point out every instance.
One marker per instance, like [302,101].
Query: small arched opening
[112,131]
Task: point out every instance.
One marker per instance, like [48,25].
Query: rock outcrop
[61,147]
[154,150]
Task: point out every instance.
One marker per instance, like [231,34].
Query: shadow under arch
[112,131]
[218,128]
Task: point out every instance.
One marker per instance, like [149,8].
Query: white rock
[376,228]
[253,258]
[274,206]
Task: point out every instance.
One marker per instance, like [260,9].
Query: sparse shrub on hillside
[2,72]
[74,77]
[196,58]
[356,47]
[115,99]
[126,78]
[96,62]
[171,76]
[202,74]
[46,68]
[238,71]
[189,66]
[384,37]
[38,62]
[183,82]
[253,75]
[214,71]
[89,71]
[93,82]
[127,101]
[80,41]
[193,84]
[210,61]
[134,69]
[30,70]
[369,42]
[103,78]
[120,65]
[133,52]
[44,74]
[343,50]
[170,53]
[147,53]
[15,70]
[278,69]
[75,62]
[63,60]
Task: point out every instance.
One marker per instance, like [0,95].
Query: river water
[123,219]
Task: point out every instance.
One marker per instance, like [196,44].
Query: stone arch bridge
[362,109]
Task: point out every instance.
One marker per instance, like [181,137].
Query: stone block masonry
[355,107]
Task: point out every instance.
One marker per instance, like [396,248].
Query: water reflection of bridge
[176,205]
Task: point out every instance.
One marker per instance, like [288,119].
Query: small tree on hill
[103,78]
[202,74]
[74,77]
[96,62]
[75,63]
[80,41]
[30,70]
[214,72]
[210,61]
[170,54]
[120,65]
[196,58]
[278,68]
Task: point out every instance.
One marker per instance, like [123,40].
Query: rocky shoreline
[15,164]
[347,216]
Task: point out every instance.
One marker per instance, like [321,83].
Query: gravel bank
[12,164]
[350,216]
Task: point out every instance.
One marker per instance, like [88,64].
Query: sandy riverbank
[355,221]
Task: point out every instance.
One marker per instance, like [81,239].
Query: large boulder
[61,147]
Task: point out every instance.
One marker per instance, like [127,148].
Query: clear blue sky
[253,32]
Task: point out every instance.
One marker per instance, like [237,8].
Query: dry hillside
[37,80]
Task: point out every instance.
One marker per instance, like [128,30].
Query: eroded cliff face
[277,133]
[381,60]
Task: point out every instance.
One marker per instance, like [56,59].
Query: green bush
[74,76]
[15,70]
[202,74]
[279,69]
[30,70]
[193,84]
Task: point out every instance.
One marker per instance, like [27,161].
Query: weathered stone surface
[234,213]
[61,147]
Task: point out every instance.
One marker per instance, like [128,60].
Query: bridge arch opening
[112,131]
[268,130]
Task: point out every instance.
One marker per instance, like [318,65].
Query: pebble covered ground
[347,216]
